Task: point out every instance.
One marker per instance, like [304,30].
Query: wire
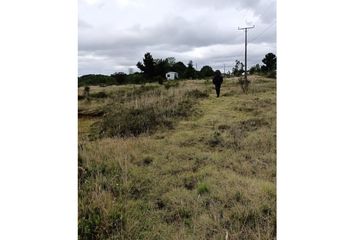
[256,37]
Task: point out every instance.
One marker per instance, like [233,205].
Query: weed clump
[143,89]
[189,183]
[253,124]
[223,127]
[202,188]
[147,160]
[86,92]
[170,84]
[216,139]
[98,95]
[196,93]
[237,136]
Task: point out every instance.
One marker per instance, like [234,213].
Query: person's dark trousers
[217,88]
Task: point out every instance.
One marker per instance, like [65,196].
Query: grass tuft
[202,188]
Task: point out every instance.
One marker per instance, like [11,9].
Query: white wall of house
[171,75]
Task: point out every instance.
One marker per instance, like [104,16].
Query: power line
[256,37]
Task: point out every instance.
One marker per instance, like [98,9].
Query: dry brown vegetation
[200,168]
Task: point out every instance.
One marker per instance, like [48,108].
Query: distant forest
[154,70]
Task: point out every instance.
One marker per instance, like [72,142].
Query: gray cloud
[205,32]
[83,24]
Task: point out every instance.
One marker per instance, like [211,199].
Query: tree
[161,67]
[120,77]
[255,69]
[238,69]
[206,71]
[270,61]
[252,70]
[148,66]
[155,69]
[171,61]
[190,71]
[96,79]
[264,69]
[180,68]
[136,78]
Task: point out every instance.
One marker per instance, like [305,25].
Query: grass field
[198,167]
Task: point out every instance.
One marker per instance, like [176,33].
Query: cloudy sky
[115,34]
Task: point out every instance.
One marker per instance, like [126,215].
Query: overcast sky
[115,34]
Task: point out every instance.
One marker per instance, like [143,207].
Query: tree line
[154,70]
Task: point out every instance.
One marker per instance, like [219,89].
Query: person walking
[217,80]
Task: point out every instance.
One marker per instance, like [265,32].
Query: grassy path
[221,164]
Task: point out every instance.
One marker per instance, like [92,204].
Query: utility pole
[224,69]
[244,88]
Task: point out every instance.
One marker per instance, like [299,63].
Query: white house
[171,75]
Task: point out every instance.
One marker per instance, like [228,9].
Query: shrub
[135,78]
[122,119]
[183,109]
[99,95]
[169,84]
[129,122]
[272,74]
[159,79]
[120,77]
[87,92]
[96,79]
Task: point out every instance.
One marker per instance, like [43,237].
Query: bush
[170,84]
[272,74]
[123,120]
[99,95]
[135,78]
[120,77]
[145,109]
[96,80]
[129,122]
[159,79]
[183,109]
[86,91]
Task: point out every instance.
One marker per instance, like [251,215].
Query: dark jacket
[217,80]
